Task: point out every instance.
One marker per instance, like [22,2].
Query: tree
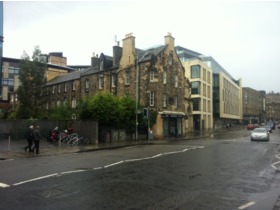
[61,112]
[31,94]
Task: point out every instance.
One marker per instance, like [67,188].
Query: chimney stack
[128,51]
[169,40]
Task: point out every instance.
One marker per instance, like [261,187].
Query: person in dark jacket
[37,138]
[29,137]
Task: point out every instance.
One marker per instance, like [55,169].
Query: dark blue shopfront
[172,124]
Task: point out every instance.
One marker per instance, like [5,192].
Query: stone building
[254,105]
[161,82]
[273,106]
[154,77]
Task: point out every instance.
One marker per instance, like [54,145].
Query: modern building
[226,91]
[56,65]
[200,76]
[154,77]
[254,106]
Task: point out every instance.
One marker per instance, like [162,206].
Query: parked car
[260,134]
[256,125]
[250,127]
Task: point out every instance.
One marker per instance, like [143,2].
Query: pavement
[12,149]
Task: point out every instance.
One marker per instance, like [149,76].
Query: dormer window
[101,65]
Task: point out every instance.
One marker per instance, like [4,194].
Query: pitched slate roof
[146,55]
[68,77]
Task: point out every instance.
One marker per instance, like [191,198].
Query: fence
[16,129]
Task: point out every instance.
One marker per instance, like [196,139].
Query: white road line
[71,172]
[247,205]
[3,185]
[101,167]
[113,164]
[275,163]
[31,180]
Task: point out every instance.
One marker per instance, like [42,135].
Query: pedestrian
[37,138]
[29,137]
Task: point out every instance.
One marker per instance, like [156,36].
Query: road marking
[247,205]
[3,185]
[71,172]
[275,163]
[39,178]
[113,164]
[102,167]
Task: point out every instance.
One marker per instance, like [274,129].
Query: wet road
[226,171]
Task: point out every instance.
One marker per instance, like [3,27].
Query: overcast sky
[242,36]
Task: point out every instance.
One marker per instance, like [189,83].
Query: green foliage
[127,113]
[32,97]
[109,110]
[62,112]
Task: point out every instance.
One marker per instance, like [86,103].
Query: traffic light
[145,113]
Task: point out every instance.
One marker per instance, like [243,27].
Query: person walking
[29,137]
[37,138]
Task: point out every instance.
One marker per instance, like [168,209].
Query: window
[170,59]
[74,103]
[176,81]
[74,85]
[53,89]
[164,100]
[13,70]
[58,103]
[101,82]
[113,80]
[9,82]
[176,101]
[196,104]
[152,98]
[101,65]
[58,89]
[195,71]
[195,88]
[164,77]
[127,77]
[87,85]
[152,75]
[65,87]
